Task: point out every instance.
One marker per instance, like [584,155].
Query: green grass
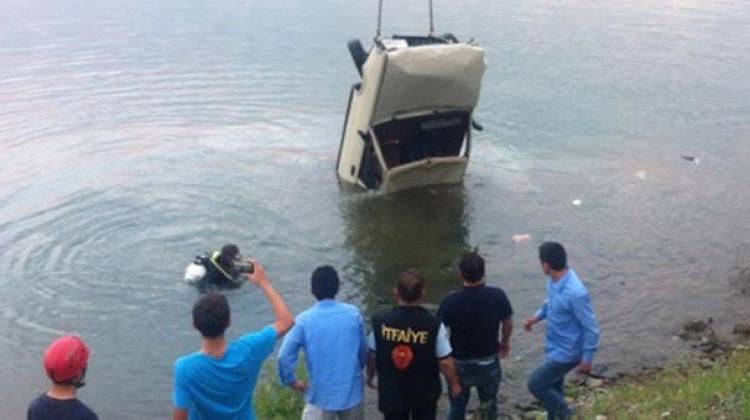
[274,401]
[681,392]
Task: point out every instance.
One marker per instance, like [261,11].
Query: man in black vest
[408,349]
[474,316]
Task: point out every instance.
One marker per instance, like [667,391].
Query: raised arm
[284,318]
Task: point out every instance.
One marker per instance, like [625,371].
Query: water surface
[135,134]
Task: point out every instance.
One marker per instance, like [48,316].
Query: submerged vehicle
[409,119]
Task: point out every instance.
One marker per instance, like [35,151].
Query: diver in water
[220,270]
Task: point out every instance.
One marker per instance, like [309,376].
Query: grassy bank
[273,401]
[689,390]
[692,389]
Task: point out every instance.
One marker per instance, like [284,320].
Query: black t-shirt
[473,315]
[44,407]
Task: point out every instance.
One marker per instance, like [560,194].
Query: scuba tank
[196,271]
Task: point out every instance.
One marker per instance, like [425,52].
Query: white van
[409,120]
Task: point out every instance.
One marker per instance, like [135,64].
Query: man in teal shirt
[217,382]
[572,331]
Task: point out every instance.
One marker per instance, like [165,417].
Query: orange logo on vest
[402,356]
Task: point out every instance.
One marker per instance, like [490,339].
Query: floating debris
[577,202]
[640,174]
[693,159]
[521,238]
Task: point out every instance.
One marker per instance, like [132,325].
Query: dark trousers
[546,384]
[428,412]
[485,376]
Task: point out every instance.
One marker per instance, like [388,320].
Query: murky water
[134,134]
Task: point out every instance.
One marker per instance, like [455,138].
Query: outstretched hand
[529,323]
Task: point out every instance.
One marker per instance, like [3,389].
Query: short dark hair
[410,285]
[553,254]
[471,267]
[211,315]
[324,282]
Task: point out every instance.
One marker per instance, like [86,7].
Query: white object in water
[577,202]
[409,120]
[194,273]
[640,174]
[521,238]
[693,159]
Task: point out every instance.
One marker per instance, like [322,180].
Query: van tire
[358,53]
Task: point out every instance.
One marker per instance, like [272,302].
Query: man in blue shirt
[217,382]
[572,331]
[332,335]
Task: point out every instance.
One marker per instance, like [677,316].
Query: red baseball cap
[66,358]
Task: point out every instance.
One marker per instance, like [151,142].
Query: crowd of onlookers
[402,356]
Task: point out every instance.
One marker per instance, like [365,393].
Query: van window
[408,140]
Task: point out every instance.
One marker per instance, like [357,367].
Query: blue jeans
[546,384]
[486,377]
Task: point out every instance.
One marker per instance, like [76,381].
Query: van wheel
[358,53]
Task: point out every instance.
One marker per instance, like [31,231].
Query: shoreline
[709,351]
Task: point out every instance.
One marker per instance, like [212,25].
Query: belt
[481,361]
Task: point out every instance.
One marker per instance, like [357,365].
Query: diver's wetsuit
[218,276]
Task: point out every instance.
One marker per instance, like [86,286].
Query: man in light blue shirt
[572,331]
[217,382]
[332,335]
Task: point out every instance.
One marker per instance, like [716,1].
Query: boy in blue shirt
[217,382]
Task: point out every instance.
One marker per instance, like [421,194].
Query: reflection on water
[426,229]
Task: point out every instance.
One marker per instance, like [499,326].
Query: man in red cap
[65,363]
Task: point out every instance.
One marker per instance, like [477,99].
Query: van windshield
[408,140]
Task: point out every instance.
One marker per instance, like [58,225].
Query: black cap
[230,252]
